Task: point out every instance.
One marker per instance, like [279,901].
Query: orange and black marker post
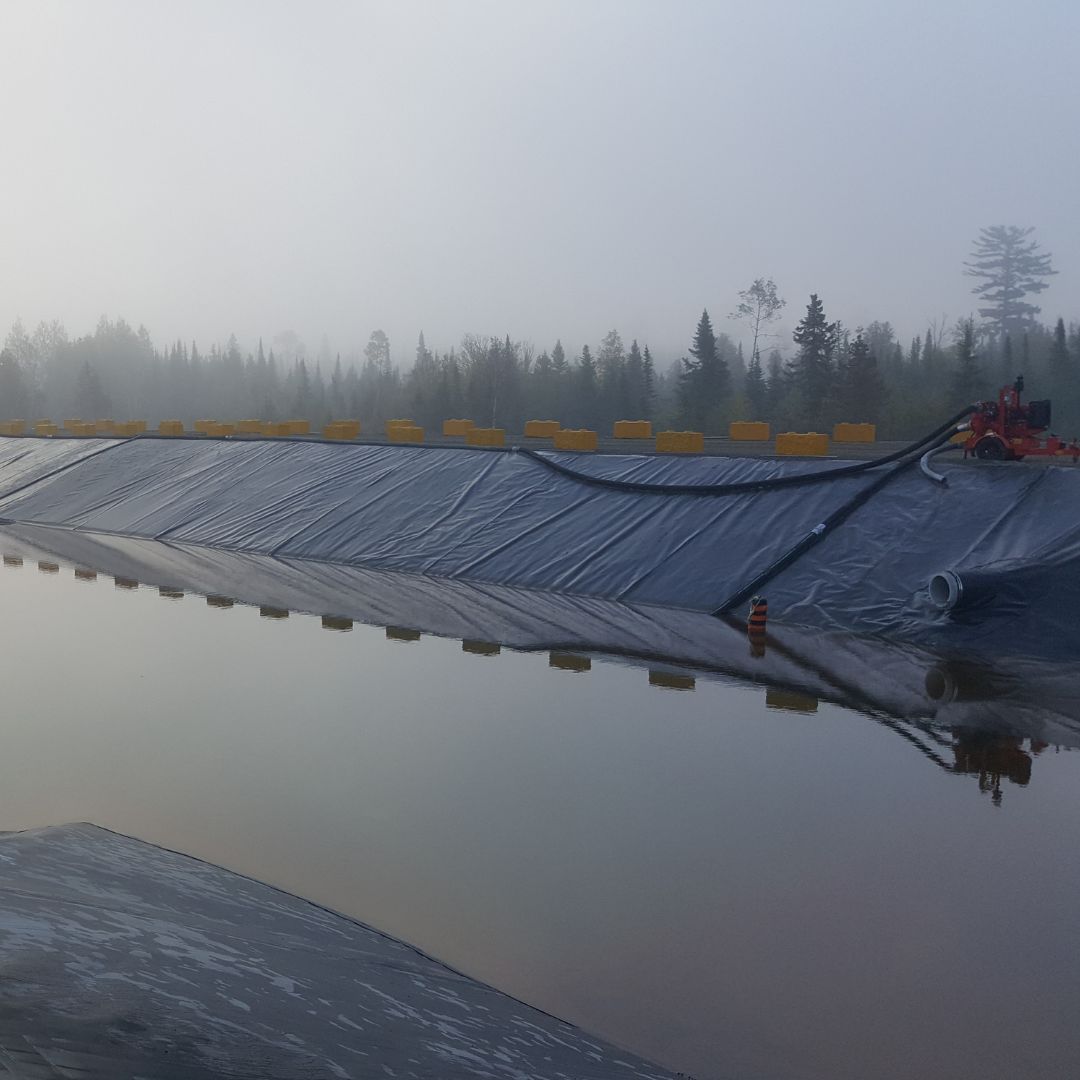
[759,616]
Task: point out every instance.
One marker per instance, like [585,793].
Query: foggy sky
[540,169]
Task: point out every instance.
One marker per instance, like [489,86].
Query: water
[731,889]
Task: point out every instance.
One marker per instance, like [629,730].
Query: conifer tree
[1009,267]
[705,381]
[812,370]
[967,382]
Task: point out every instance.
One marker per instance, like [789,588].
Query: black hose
[818,532]
[743,486]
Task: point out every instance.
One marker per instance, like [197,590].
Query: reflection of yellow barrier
[569,439]
[802,444]
[680,442]
[857,433]
[82,574]
[69,425]
[46,427]
[128,429]
[749,431]
[170,593]
[481,648]
[171,427]
[13,560]
[457,428]
[666,680]
[405,434]
[790,701]
[482,436]
[273,612]
[633,429]
[541,429]
[565,661]
[336,622]
[48,567]
[125,583]
[401,633]
[222,602]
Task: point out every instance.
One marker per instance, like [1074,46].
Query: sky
[539,169]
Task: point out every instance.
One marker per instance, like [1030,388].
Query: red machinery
[1005,430]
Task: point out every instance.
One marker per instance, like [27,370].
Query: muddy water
[731,888]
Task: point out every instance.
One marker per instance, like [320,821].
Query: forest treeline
[826,373]
[832,374]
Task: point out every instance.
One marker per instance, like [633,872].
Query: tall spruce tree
[863,392]
[812,370]
[967,380]
[705,381]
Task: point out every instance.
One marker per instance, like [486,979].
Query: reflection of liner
[884,680]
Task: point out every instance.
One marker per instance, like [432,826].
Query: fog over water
[540,169]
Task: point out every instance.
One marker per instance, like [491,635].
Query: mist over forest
[737,366]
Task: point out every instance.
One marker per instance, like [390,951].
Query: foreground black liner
[119,960]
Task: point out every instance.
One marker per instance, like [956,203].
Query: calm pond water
[731,889]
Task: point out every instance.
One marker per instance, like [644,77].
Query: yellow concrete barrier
[46,427]
[482,436]
[220,431]
[541,429]
[128,429]
[857,433]
[299,427]
[405,434]
[680,442]
[749,431]
[249,427]
[457,428]
[570,439]
[201,426]
[13,427]
[342,429]
[275,428]
[69,425]
[84,428]
[171,427]
[633,429]
[802,444]
[390,425]
[106,427]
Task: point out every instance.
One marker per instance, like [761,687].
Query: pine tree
[756,391]
[1060,363]
[648,377]
[967,381]
[1008,362]
[811,372]
[634,389]
[587,387]
[863,394]
[1010,267]
[705,381]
